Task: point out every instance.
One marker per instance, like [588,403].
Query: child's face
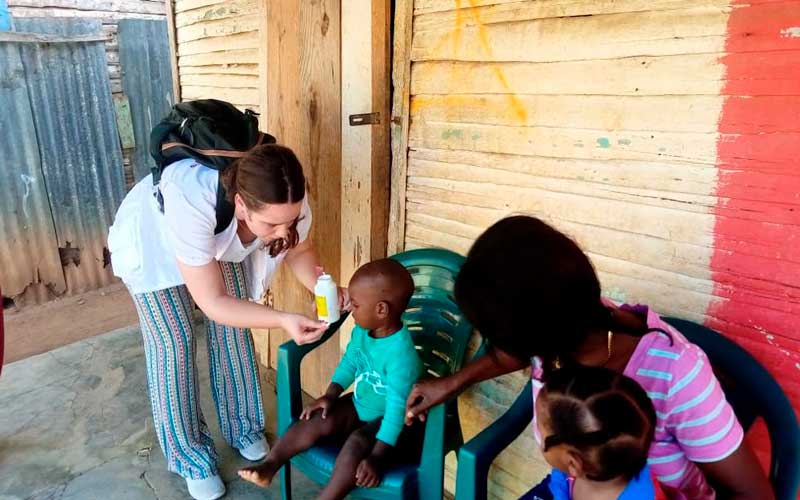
[368,311]
[559,457]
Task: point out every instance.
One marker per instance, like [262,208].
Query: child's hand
[369,472]
[325,404]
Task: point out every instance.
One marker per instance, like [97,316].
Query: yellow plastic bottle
[327,295]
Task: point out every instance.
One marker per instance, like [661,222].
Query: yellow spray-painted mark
[517,107]
[457,30]
[454,36]
[514,102]
[453,107]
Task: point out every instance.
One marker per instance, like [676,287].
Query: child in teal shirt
[381,363]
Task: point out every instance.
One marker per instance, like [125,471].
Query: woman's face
[270,222]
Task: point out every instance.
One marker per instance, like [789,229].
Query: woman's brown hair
[267,175]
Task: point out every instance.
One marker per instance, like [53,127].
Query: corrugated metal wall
[147,81]
[76,136]
[29,260]
[110,14]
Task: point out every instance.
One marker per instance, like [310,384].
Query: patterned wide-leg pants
[170,348]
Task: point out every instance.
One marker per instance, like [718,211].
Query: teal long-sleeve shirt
[383,371]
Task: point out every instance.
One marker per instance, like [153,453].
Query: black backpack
[212,132]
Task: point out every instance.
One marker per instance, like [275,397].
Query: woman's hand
[303,330]
[426,394]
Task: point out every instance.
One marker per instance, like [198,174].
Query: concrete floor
[75,424]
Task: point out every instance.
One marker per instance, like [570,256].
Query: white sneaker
[209,488]
[256,451]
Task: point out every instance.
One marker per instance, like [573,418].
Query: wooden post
[401,77]
[304,109]
[365,148]
[173,49]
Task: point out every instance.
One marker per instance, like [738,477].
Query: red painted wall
[756,260]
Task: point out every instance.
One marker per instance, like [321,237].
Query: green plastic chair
[750,389]
[441,334]
[753,393]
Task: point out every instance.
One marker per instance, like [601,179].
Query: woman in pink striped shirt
[535,296]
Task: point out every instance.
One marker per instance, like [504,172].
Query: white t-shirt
[145,243]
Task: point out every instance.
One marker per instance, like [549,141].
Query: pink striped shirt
[694,422]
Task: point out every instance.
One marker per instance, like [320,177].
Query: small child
[597,427]
[382,362]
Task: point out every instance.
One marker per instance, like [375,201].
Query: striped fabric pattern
[695,423]
[170,349]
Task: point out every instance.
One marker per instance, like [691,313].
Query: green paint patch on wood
[122,109]
[616,295]
[452,132]
[603,142]
[624,142]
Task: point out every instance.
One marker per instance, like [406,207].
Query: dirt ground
[38,329]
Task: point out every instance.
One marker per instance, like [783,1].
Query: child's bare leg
[301,436]
[343,480]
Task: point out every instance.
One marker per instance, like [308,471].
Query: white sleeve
[190,224]
[304,225]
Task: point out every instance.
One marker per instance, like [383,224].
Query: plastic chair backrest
[437,326]
[753,393]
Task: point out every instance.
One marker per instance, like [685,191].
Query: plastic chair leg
[286,482]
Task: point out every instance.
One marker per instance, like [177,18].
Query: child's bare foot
[260,475]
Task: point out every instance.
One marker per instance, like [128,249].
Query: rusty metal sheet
[81,160]
[29,258]
[144,59]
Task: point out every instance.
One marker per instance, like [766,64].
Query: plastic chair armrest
[477,455]
[290,356]
[431,465]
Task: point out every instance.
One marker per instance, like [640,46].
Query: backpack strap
[225,210]
[157,136]
[214,152]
